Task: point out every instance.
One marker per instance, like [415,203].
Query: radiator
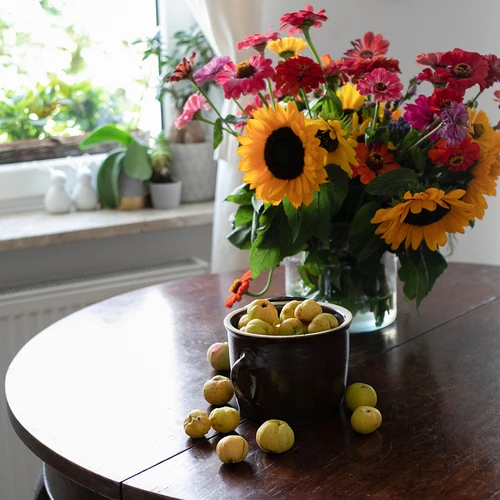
[26,309]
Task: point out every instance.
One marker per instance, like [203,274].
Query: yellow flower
[333,138]
[350,98]
[357,128]
[281,156]
[424,216]
[482,132]
[287,47]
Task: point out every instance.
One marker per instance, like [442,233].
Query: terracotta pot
[299,379]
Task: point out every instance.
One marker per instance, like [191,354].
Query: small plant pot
[166,195]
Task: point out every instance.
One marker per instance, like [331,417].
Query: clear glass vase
[333,276]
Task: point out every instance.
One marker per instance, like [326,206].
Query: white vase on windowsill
[57,199]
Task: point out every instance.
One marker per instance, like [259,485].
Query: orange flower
[373,163]
[238,288]
[183,70]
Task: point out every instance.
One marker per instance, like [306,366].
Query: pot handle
[243,389]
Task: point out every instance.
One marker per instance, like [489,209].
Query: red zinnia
[372,162]
[248,77]
[456,158]
[334,70]
[356,68]
[465,68]
[183,70]
[432,59]
[302,20]
[442,99]
[384,85]
[370,46]
[257,41]
[438,78]
[298,73]
[493,70]
[238,288]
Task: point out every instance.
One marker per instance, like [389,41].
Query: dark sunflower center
[348,111]
[462,70]
[479,130]
[380,86]
[375,162]
[425,217]
[326,142]
[284,154]
[366,54]
[456,160]
[245,70]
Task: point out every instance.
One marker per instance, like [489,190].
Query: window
[68,67]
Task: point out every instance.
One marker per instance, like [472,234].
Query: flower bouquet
[343,164]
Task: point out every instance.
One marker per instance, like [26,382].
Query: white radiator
[27,309]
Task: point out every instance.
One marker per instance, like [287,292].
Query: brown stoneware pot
[299,379]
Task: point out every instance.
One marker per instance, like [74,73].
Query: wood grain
[101,395]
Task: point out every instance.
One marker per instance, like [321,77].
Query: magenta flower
[193,105]
[455,120]
[419,114]
[257,41]
[248,77]
[210,70]
[302,20]
[384,85]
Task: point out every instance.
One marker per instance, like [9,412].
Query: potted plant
[164,188]
[122,174]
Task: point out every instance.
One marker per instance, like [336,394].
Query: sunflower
[481,131]
[287,47]
[424,216]
[333,138]
[350,98]
[281,156]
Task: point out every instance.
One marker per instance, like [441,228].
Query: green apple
[218,356]
[232,449]
[289,309]
[197,424]
[264,310]
[360,394]
[218,391]
[243,322]
[366,419]
[224,419]
[259,327]
[275,436]
[292,326]
[306,310]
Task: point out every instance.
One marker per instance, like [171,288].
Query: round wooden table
[101,396]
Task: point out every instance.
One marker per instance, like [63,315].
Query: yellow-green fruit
[197,424]
[292,326]
[288,310]
[218,356]
[243,322]
[264,310]
[334,322]
[232,449]
[275,436]
[259,327]
[224,419]
[322,322]
[306,310]
[366,419]
[218,391]
[360,394]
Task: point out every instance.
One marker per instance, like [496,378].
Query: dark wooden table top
[101,396]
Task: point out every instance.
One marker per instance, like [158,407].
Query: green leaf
[244,215]
[317,215]
[409,139]
[107,179]
[419,271]
[419,160]
[241,195]
[136,161]
[392,183]
[294,218]
[107,133]
[361,230]
[241,237]
[218,135]
[338,187]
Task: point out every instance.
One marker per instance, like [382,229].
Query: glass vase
[331,275]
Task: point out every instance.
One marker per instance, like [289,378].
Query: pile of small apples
[273,436]
[297,317]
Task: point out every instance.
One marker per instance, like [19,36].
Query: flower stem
[205,95]
[241,107]
[311,45]
[306,102]
[229,131]
[375,115]
[263,99]
[473,103]
[426,136]
[271,93]
[266,288]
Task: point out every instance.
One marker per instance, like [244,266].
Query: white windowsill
[39,229]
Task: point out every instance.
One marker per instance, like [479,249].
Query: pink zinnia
[193,105]
[419,115]
[370,46]
[432,59]
[302,20]
[208,72]
[258,41]
[384,85]
[248,77]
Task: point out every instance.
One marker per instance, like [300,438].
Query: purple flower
[210,70]
[455,124]
[418,114]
